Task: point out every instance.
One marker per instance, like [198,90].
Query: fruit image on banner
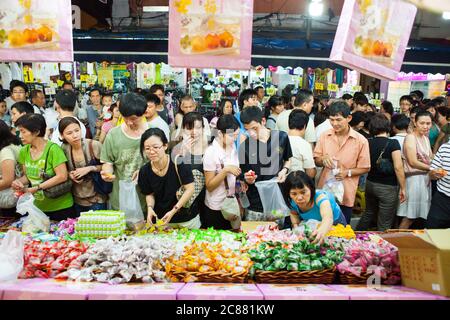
[372,36]
[36,30]
[210,33]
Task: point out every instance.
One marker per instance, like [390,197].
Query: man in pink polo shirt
[346,149]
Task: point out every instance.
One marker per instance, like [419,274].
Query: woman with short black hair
[159,181]
[39,156]
[385,176]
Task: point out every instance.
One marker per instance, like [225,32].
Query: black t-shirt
[164,190]
[265,159]
[376,146]
[365,134]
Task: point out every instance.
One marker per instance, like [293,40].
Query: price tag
[271,91]
[221,78]
[92,79]
[318,86]
[333,87]
[356,88]
[109,84]
[28,75]
[60,83]
[237,76]
[84,77]
[49,91]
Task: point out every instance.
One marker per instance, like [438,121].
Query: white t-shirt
[302,154]
[400,139]
[158,122]
[321,128]
[283,125]
[214,156]
[56,136]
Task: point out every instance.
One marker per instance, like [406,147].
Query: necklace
[160,171]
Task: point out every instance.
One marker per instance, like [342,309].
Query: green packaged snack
[316,265]
[258,266]
[271,268]
[292,266]
[279,264]
[293,257]
[303,267]
[327,263]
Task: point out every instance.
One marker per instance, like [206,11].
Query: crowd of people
[189,169]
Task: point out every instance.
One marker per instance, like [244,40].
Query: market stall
[96,257]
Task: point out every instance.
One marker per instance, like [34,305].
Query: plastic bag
[334,186]
[231,212]
[306,228]
[272,199]
[36,221]
[129,202]
[11,256]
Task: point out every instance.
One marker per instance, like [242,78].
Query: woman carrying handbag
[45,170]
[83,164]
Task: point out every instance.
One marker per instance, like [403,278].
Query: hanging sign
[36,30]
[210,33]
[372,36]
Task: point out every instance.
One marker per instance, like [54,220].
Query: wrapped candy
[205,257]
[101,224]
[340,231]
[49,260]
[300,256]
[65,227]
[272,233]
[380,258]
[126,259]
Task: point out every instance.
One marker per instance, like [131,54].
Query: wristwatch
[349,174]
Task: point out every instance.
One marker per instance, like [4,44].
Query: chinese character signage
[210,33]
[372,36]
[36,30]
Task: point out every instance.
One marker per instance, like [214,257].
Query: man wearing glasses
[19,91]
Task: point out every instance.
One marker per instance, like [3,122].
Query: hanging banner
[210,33]
[36,30]
[372,36]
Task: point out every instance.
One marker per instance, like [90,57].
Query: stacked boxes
[101,224]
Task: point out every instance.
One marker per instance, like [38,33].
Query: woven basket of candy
[325,276]
[213,277]
[350,278]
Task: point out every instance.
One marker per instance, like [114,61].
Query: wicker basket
[304,277]
[215,277]
[350,278]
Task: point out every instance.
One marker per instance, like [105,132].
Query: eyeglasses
[155,148]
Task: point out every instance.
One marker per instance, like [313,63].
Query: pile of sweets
[50,260]
[300,256]
[63,228]
[101,224]
[340,231]
[126,259]
[228,239]
[376,256]
[208,257]
[272,233]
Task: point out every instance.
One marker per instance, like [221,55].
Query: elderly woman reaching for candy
[307,203]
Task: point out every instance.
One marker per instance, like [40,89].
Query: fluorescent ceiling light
[446,15]
[315,8]
[155,9]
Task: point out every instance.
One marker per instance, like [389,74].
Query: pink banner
[36,30]
[372,36]
[210,33]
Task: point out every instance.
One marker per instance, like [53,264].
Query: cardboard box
[249,226]
[47,289]
[136,291]
[219,291]
[300,292]
[424,259]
